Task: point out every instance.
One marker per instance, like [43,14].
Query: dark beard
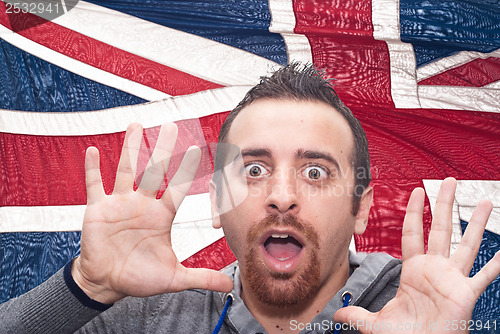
[282,289]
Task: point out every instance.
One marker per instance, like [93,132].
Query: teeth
[277,235]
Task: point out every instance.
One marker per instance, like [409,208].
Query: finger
[206,279]
[441,228]
[486,275]
[93,180]
[466,252]
[412,241]
[127,166]
[160,159]
[355,315]
[182,180]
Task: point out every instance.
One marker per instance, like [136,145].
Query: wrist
[93,291]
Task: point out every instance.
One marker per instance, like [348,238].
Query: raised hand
[435,293]
[126,247]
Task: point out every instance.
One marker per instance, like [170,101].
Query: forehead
[287,125]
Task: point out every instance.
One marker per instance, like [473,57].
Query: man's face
[292,231]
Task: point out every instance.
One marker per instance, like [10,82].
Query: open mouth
[282,246]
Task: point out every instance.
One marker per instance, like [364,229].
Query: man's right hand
[126,247]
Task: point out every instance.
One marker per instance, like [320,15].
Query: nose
[282,193]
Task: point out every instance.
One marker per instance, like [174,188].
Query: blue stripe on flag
[243,24]
[28,259]
[29,83]
[442,28]
[488,305]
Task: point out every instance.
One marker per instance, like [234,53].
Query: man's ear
[364,210]
[214,205]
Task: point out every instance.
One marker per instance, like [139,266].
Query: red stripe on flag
[432,144]
[103,56]
[383,233]
[476,73]
[215,256]
[49,170]
[341,37]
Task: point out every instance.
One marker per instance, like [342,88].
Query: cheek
[332,195]
[334,223]
[235,231]
[256,193]
[328,207]
[334,246]
[336,232]
[232,239]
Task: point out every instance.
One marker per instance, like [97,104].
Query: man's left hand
[436,294]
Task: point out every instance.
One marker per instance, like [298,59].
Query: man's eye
[255,170]
[315,173]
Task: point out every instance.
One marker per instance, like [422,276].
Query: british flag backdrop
[423,77]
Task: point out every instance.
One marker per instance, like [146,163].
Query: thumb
[206,279]
[355,316]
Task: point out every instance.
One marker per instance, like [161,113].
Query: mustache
[287,220]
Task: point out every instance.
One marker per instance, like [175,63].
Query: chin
[282,290]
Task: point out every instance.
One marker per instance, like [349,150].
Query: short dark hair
[304,82]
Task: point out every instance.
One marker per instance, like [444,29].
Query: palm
[430,284]
[132,245]
[435,294]
[126,236]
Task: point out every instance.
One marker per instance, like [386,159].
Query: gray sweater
[54,307]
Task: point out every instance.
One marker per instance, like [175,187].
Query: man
[288,211]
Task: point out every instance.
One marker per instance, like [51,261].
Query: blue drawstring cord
[229,300]
[346,297]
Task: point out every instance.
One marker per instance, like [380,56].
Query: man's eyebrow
[256,152]
[303,154]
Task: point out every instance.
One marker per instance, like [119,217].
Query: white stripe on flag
[41,218]
[191,231]
[493,85]
[385,19]
[283,22]
[461,98]
[117,119]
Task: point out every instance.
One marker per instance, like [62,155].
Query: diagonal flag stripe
[216,256]
[197,56]
[444,64]
[125,64]
[476,73]
[80,68]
